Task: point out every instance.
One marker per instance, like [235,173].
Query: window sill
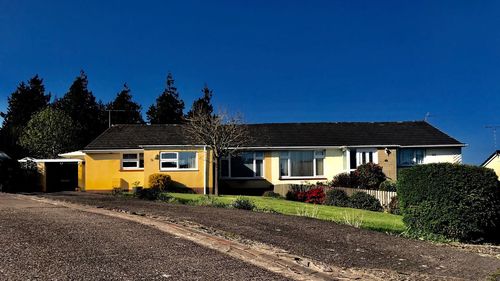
[178,170]
[303,178]
[242,178]
[132,170]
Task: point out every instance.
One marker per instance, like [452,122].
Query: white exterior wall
[333,165]
[443,155]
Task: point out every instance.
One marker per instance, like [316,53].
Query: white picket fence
[383,196]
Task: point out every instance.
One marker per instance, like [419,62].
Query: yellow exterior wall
[494,164]
[193,179]
[81,175]
[103,173]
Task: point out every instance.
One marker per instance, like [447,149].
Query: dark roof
[495,153]
[286,134]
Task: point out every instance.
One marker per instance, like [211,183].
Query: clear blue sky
[273,61]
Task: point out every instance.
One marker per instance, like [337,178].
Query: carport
[57,174]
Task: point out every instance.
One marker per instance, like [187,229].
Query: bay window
[132,161]
[302,163]
[246,164]
[185,160]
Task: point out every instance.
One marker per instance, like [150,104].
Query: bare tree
[223,134]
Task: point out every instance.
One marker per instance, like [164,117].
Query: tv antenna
[494,129]
[109,114]
[427,116]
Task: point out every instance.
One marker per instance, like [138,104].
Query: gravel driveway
[323,241]
[44,242]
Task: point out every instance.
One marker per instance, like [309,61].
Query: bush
[243,204]
[9,175]
[394,206]
[314,196]
[387,185]
[271,194]
[162,196]
[161,182]
[117,191]
[459,202]
[297,192]
[361,200]
[148,193]
[336,197]
[344,180]
[369,176]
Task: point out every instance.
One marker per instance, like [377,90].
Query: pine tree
[28,99]
[168,108]
[80,104]
[124,110]
[203,104]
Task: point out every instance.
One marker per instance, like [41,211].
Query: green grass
[366,219]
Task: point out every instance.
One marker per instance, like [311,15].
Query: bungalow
[493,162]
[277,154]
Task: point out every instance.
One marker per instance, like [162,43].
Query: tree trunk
[216,176]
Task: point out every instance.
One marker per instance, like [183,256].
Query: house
[493,162]
[277,154]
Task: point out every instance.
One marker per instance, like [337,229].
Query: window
[132,161]
[302,163]
[410,157]
[362,156]
[244,165]
[178,160]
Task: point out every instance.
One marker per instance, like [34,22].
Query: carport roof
[269,135]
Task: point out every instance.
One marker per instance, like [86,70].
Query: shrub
[161,182]
[344,180]
[297,192]
[361,200]
[336,197]
[369,176]
[117,191]
[394,206]
[9,175]
[459,202]
[315,196]
[243,204]
[271,194]
[149,193]
[387,185]
[291,195]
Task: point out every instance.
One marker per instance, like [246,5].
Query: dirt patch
[330,243]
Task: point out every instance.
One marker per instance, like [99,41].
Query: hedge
[459,202]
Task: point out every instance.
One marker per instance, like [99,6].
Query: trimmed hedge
[459,202]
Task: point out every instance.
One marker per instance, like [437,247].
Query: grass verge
[360,218]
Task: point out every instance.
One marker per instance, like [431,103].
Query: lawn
[365,219]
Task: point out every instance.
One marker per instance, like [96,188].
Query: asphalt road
[40,241]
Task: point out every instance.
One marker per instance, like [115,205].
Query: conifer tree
[168,108]
[124,110]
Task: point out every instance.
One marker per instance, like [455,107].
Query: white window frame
[316,156]
[136,161]
[254,167]
[176,160]
[359,155]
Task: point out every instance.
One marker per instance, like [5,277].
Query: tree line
[36,127]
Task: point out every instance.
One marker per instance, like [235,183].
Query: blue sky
[273,61]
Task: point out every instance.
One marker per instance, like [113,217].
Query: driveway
[40,241]
[330,243]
